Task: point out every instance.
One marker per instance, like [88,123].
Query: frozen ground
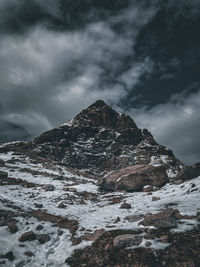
[93,210]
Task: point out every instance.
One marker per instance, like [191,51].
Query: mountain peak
[100,114]
[98,104]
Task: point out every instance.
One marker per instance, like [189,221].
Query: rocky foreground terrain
[97,191]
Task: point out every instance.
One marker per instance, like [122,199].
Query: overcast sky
[142,57]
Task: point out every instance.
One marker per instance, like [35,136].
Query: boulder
[166,219]
[127,240]
[134,178]
[28,236]
[43,238]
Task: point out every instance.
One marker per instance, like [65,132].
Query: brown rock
[155,198]
[28,236]
[12,227]
[165,219]
[125,206]
[134,178]
[127,240]
[95,236]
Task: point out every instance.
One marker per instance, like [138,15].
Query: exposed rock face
[190,172]
[134,178]
[99,139]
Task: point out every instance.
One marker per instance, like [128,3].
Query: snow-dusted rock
[134,178]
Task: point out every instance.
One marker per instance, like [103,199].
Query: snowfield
[83,202]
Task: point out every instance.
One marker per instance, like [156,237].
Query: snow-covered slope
[69,209]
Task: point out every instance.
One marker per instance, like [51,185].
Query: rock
[58,178]
[166,219]
[94,236]
[190,172]
[3,175]
[127,240]
[43,238]
[12,227]
[48,187]
[28,253]
[134,178]
[155,198]
[148,188]
[134,218]
[39,206]
[61,205]
[9,255]
[125,206]
[28,236]
[117,220]
[2,163]
[60,232]
[164,239]
[148,244]
[39,227]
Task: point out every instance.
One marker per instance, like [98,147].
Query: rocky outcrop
[190,172]
[134,178]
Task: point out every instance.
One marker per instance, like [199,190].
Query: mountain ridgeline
[99,140]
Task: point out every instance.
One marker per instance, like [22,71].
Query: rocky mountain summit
[100,139]
[97,191]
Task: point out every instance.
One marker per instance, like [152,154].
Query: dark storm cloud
[57,57]
[17,16]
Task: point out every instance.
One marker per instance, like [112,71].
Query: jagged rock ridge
[99,140]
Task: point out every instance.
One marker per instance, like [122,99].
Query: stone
[48,187]
[28,236]
[12,227]
[28,253]
[3,175]
[154,198]
[43,238]
[39,227]
[2,163]
[166,219]
[61,205]
[134,178]
[125,206]
[37,205]
[127,240]
[134,218]
[9,255]
[148,188]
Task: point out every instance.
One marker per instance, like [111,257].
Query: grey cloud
[53,75]
[175,124]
